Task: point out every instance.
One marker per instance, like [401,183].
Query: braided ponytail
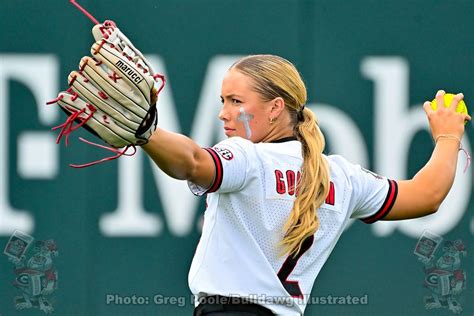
[277,77]
[313,186]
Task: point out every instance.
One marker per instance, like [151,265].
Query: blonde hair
[274,77]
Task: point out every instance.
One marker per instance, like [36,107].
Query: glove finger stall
[111,33]
[88,92]
[99,122]
[141,83]
[114,86]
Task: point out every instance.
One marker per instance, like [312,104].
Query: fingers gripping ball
[448,98]
[460,108]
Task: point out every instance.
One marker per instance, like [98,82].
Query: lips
[228,131]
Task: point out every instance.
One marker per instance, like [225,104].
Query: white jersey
[247,206]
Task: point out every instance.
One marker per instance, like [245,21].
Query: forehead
[235,82]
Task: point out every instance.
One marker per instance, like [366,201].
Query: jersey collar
[284,139]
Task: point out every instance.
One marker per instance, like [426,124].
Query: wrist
[448,137]
[454,139]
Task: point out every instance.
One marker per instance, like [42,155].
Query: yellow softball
[448,97]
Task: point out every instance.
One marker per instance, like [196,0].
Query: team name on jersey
[285,183]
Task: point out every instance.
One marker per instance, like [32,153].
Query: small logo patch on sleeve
[372,173]
[224,153]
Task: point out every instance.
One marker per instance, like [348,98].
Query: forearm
[437,176]
[173,153]
[423,194]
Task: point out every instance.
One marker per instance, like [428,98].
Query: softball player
[276,205]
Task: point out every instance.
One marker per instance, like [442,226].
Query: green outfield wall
[124,229]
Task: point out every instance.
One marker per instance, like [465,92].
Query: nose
[223,114]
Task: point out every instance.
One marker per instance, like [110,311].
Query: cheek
[257,122]
[258,119]
[258,125]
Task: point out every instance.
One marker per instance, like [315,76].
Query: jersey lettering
[280,183]
[330,199]
[298,179]
[287,182]
[290,178]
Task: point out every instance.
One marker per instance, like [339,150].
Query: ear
[278,105]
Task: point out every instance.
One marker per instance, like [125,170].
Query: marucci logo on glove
[130,72]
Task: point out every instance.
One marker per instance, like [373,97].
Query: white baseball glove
[113,94]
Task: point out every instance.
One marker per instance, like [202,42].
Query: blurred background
[124,229]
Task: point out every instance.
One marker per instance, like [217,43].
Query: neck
[278,132]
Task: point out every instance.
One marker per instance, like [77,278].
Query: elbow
[186,172]
[435,203]
[432,209]
[189,167]
[190,174]
[182,170]
[192,167]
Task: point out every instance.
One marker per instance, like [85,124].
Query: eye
[235,101]
[222,100]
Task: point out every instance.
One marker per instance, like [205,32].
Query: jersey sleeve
[373,196]
[231,158]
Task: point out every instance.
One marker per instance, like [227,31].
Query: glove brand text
[130,72]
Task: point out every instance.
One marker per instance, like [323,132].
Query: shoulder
[285,152]
[229,148]
[355,176]
[340,165]
[342,169]
[235,142]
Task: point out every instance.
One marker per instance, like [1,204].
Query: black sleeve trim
[387,204]
[219,171]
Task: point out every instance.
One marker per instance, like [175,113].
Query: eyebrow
[231,96]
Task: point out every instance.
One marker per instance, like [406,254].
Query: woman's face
[243,112]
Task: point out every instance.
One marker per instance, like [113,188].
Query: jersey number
[291,286]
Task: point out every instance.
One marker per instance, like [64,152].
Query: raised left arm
[423,194]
